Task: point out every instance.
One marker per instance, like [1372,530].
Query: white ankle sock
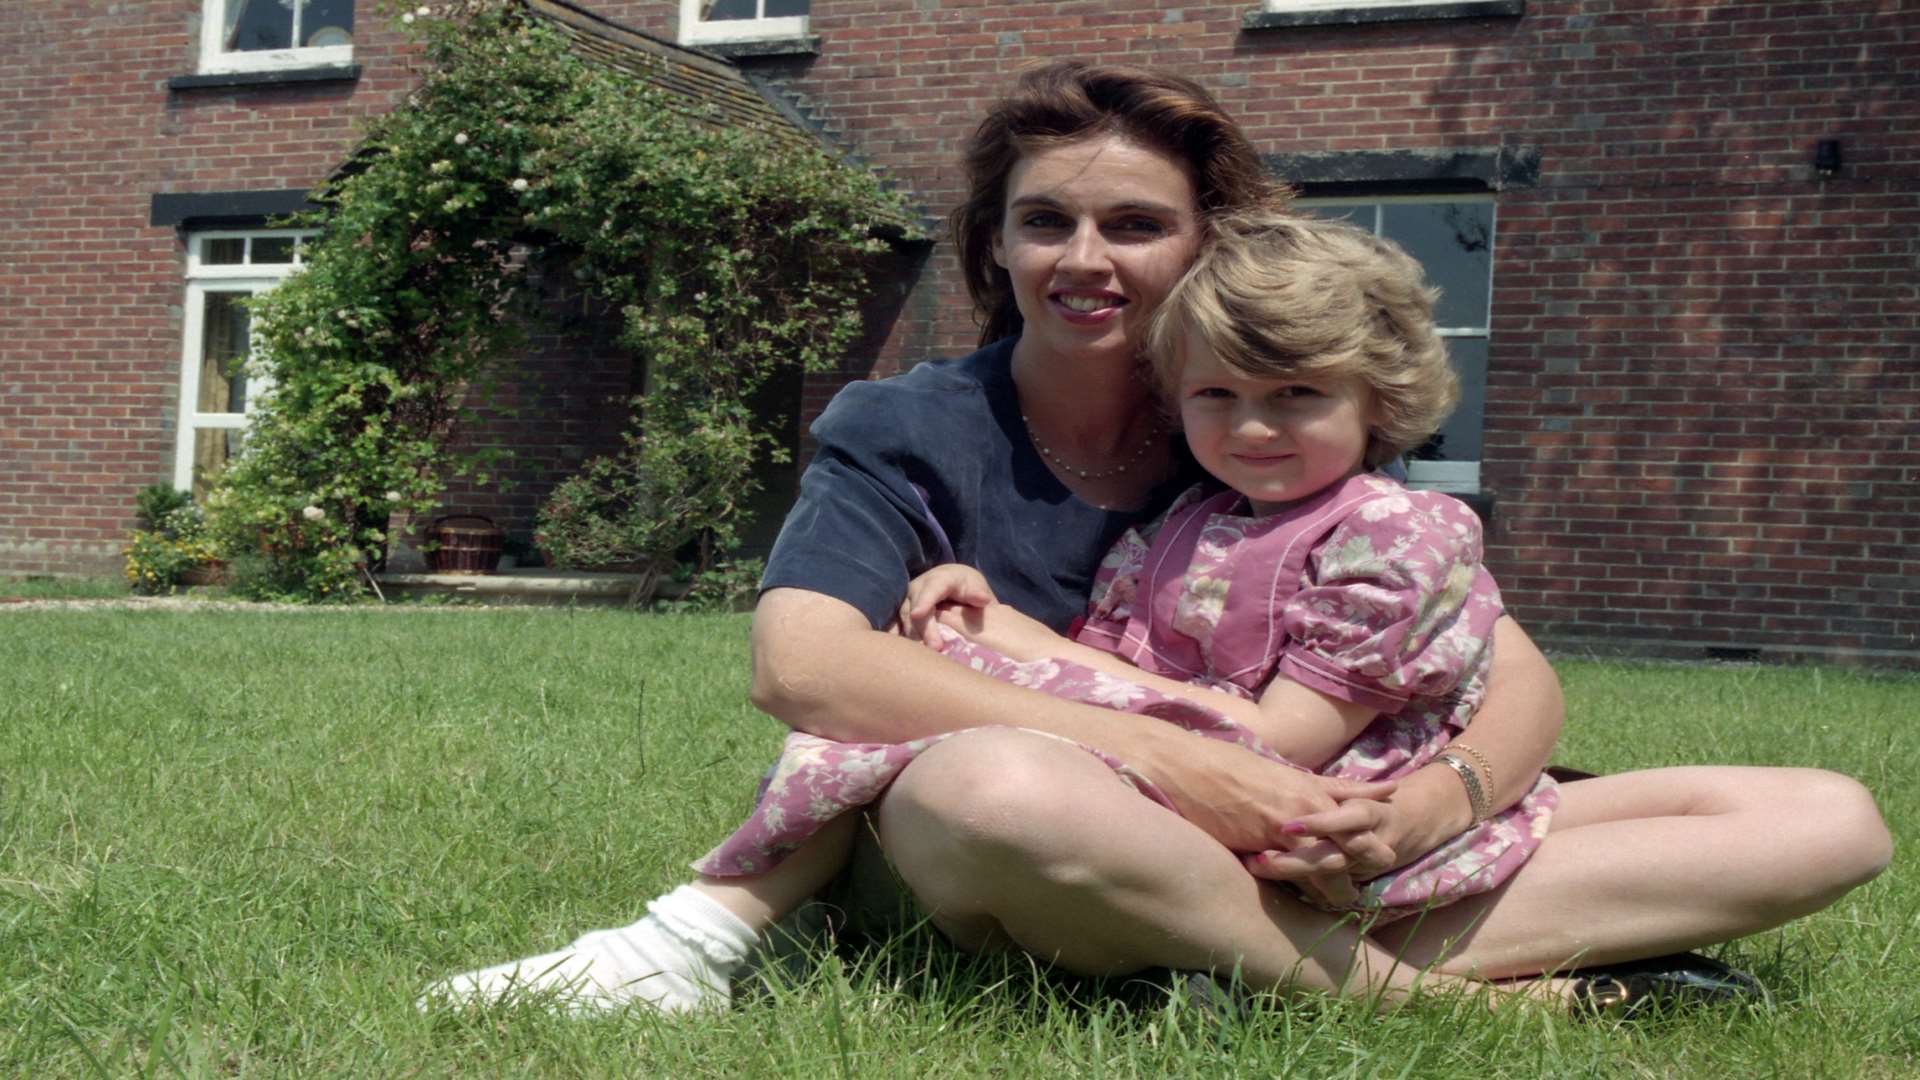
[681,956]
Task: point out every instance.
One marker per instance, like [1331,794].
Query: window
[267,35]
[223,269]
[713,21]
[1452,237]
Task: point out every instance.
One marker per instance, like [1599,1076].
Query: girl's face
[1094,234]
[1273,440]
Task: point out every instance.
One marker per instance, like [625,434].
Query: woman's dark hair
[1068,100]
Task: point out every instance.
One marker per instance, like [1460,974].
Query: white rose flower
[394,496]
[314,513]
[460,138]
[423,11]
[520,183]
[407,18]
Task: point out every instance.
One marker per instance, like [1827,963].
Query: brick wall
[90,316]
[1702,399]
[1700,428]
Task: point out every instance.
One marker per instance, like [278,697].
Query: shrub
[174,541]
[642,505]
[729,253]
[156,501]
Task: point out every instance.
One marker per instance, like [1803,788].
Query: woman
[1090,192]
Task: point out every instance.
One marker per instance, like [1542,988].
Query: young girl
[1314,611]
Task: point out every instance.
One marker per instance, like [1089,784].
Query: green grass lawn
[239,843]
[62,588]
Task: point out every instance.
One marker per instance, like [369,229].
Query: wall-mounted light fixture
[1826,158]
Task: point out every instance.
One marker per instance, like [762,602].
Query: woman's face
[1094,235]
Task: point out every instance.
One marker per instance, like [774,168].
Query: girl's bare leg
[1645,863]
[682,955]
[1013,838]
[763,900]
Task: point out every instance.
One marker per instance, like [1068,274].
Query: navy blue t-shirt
[935,466]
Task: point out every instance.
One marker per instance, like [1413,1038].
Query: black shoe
[1221,1003]
[1659,986]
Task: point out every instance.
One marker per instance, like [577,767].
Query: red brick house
[1680,244]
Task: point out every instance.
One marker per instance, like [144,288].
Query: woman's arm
[819,667]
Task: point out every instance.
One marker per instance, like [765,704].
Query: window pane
[227,251]
[1459,438]
[212,449]
[720,10]
[253,25]
[779,8]
[273,249]
[1454,242]
[223,351]
[327,22]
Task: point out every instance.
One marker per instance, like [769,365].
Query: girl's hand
[1005,630]
[1333,888]
[1365,832]
[948,583]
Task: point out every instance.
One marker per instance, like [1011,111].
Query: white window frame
[217,60]
[1454,477]
[246,277]
[697,31]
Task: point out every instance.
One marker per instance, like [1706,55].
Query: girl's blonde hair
[1281,295]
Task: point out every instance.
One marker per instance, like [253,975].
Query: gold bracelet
[1476,795]
[1480,759]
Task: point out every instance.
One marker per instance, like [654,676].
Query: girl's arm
[1304,726]
[819,667]
[1514,729]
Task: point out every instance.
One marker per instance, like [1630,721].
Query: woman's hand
[1244,800]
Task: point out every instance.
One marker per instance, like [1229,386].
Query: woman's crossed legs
[1012,837]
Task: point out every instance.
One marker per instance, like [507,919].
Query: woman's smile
[1089,306]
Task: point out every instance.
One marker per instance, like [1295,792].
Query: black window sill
[277,77]
[1357,16]
[226,209]
[808,45]
[1407,172]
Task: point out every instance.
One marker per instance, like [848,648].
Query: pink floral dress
[1367,592]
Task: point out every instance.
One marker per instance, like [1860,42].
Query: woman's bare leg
[1644,863]
[1011,837]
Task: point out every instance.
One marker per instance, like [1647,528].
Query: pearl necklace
[1088,474]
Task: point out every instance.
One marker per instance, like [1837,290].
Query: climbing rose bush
[727,254]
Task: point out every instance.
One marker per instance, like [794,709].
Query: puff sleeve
[1395,603]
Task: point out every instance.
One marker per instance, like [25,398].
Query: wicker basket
[468,544]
